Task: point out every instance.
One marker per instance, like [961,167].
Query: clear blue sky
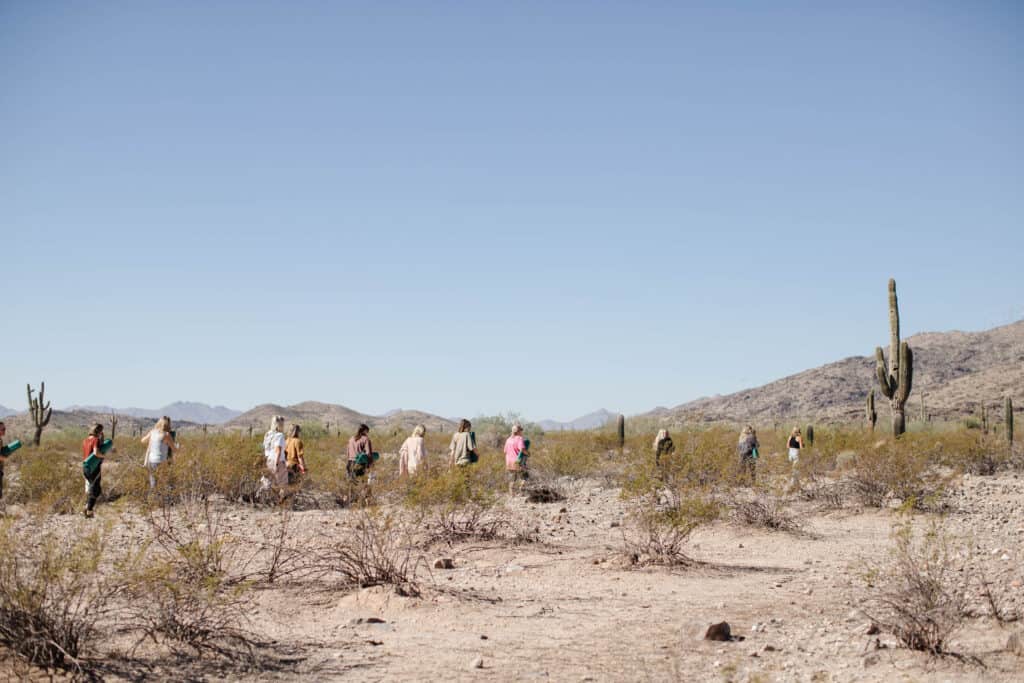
[477,207]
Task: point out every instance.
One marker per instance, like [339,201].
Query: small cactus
[113,425]
[984,419]
[809,433]
[40,411]
[1009,421]
[620,430]
[870,413]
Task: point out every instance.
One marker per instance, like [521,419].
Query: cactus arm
[906,377]
[883,375]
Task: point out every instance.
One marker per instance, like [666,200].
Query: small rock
[443,563]
[477,663]
[770,648]
[514,569]
[719,631]
[1004,557]
[872,630]
[871,660]
[562,511]
[613,525]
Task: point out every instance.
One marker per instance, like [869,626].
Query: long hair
[163,424]
[362,431]
[277,423]
[294,432]
[662,435]
[419,430]
[747,432]
[464,425]
[96,430]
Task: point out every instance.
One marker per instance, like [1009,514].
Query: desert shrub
[374,550]
[187,587]
[51,598]
[900,470]
[456,505]
[764,511]
[50,480]
[919,595]
[659,533]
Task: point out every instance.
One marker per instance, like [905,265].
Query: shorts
[794,454]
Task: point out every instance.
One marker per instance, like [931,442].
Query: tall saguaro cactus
[620,430]
[870,413]
[1009,421]
[40,410]
[113,425]
[897,379]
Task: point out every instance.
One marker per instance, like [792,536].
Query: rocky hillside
[314,412]
[954,372]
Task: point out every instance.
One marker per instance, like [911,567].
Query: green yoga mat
[11,447]
[106,445]
[364,459]
[91,464]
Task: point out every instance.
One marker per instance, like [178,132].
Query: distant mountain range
[337,416]
[184,411]
[598,418]
[4,412]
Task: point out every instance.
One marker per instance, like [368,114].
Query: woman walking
[462,449]
[92,461]
[517,450]
[662,445]
[274,454]
[748,446]
[412,456]
[360,453]
[795,445]
[159,443]
[295,454]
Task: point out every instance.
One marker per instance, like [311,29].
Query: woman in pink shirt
[516,451]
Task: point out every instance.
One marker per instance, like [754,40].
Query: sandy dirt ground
[570,608]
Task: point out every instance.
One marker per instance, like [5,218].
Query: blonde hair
[419,430]
[294,432]
[662,435]
[747,431]
[275,421]
[796,430]
[517,428]
[464,425]
[163,424]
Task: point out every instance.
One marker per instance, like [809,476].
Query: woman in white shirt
[274,452]
[159,443]
[413,454]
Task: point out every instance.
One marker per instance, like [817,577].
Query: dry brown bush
[51,599]
[920,596]
[659,534]
[375,550]
[766,512]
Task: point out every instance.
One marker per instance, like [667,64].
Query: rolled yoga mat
[11,447]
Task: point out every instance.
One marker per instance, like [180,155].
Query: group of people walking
[286,463]
[747,448]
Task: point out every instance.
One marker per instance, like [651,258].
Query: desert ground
[557,590]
